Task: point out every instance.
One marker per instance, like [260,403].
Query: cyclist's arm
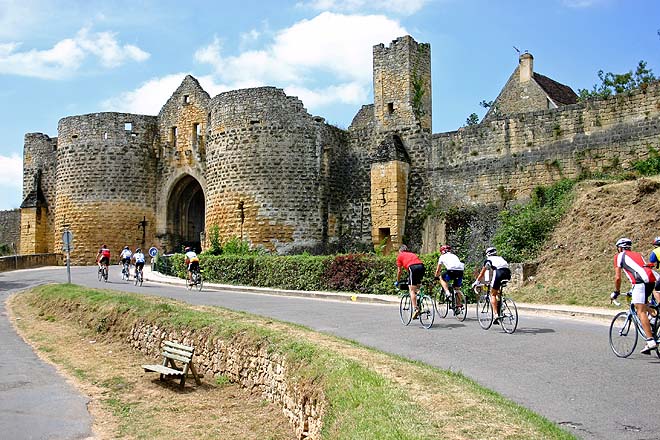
[398,274]
[438,269]
[481,273]
[617,279]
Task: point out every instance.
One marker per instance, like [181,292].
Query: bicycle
[449,302]
[425,305]
[622,340]
[195,279]
[103,273]
[138,276]
[126,271]
[508,312]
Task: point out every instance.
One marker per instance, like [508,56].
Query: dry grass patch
[127,403]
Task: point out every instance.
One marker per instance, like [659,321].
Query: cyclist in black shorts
[499,271]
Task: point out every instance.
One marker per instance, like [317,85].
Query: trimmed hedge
[359,273]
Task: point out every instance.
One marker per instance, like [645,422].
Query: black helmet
[656,241]
[491,251]
[624,243]
[138,250]
[126,247]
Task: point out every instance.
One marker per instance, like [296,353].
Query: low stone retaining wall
[29,261]
[251,366]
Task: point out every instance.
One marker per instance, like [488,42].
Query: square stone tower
[402,84]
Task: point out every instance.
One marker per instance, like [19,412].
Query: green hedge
[360,273]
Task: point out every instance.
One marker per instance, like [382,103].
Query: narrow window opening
[186,99]
[128,126]
[75,136]
[390,107]
[173,134]
[105,135]
[197,132]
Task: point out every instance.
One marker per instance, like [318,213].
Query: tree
[613,84]
[473,119]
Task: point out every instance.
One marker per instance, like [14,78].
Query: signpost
[153,251]
[67,246]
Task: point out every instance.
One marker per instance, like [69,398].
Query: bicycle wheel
[405,309]
[100,275]
[623,335]
[460,313]
[199,282]
[105,274]
[426,311]
[484,311]
[442,305]
[508,315]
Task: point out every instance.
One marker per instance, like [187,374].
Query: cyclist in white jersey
[499,271]
[454,272]
[138,256]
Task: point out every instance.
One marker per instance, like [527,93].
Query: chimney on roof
[526,67]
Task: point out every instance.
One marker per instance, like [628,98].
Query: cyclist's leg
[457,277]
[639,294]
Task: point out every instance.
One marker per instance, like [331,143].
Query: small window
[128,126]
[105,135]
[173,134]
[186,99]
[390,107]
[74,136]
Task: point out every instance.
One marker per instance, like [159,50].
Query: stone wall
[107,174]
[30,261]
[268,166]
[508,157]
[253,367]
[10,223]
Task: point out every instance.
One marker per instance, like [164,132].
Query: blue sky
[63,58]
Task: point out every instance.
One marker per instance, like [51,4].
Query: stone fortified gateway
[254,164]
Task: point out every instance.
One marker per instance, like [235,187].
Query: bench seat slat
[179,346]
[185,353]
[176,357]
[162,370]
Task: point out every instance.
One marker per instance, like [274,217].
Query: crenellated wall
[106,181]
[509,156]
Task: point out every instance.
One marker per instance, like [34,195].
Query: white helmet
[491,251]
[624,243]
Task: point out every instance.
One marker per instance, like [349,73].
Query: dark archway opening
[185,214]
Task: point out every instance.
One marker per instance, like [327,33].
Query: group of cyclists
[494,268]
[126,257]
[645,282]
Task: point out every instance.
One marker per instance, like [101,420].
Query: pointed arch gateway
[185,213]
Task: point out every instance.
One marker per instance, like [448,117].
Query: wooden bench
[168,369]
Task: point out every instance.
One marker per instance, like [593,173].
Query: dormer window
[128,126]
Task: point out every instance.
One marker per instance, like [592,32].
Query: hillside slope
[576,265]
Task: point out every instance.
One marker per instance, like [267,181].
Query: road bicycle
[195,279]
[103,273]
[139,276]
[448,302]
[425,305]
[626,329]
[507,315]
[126,271]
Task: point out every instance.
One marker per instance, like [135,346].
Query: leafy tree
[613,83]
[473,119]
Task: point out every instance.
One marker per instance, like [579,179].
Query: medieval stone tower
[254,164]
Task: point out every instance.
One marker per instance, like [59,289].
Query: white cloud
[330,45]
[11,181]
[67,56]
[150,97]
[403,7]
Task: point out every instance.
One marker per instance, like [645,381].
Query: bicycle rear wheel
[105,274]
[199,282]
[623,335]
[484,311]
[405,309]
[426,311]
[100,275]
[508,315]
[461,312]
[442,304]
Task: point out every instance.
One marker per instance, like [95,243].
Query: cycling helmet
[624,243]
[656,241]
[138,250]
[491,251]
[403,248]
[126,247]
[445,248]
[187,248]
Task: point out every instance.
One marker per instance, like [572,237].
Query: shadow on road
[534,330]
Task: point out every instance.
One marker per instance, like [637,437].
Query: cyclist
[411,262]
[103,257]
[138,256]
[643,281]
[654,261]
[499,271]
[454,272]
[192,261]
[125,259]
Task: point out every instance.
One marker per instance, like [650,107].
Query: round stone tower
[106,179]
[265,160]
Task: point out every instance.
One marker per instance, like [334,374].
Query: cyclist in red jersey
[103,257]
[411,262]
[642,279]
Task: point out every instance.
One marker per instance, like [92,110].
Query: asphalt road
[561,368]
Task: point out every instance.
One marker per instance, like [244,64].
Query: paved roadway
[561,368]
